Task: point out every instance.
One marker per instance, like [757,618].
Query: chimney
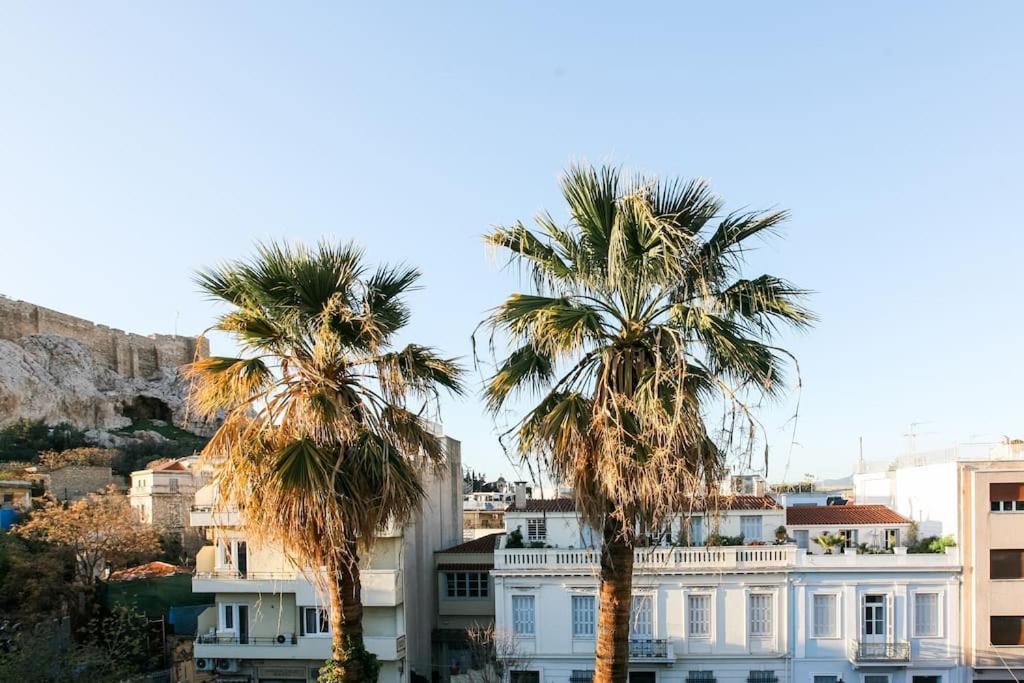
[520,494]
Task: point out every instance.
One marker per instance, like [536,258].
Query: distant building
[16,494]
[74,482]
[162,495]
[875,526]
[465,599]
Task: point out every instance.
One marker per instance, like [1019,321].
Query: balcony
[879,654]
[650,650]
[290,647]
[698,560]
[214,516]
[232,581]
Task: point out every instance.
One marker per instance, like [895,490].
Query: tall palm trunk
[345,594]
[612,665]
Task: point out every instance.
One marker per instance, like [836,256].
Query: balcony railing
[693,559]
[646,648]
[879,653]
[222,639]
[249,576]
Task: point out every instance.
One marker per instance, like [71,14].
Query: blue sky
[140,142]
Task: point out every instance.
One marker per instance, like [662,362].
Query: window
[926,679]
[876,678]
[826,616]
[1006,564]
[1006,497]
[825,678]
[583,616]
[466,584]
[641,619]
[315,621]
[227,621]
[1006,630]
[700,677]
[760,614]
[926,615]
[851,538]
[697,531]
[698,609]
[802,537]
[750,527]
[874,615]
[522,615]
[892,538]
[762,677]
[8,498]
[537,529]
[579,676]
[524,676]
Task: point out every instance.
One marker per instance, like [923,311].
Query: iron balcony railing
[251,576]
[647,648]
[887,653]
[222,639]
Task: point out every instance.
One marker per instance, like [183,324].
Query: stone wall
[75,482]
[129,355]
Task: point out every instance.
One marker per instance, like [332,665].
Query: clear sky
[139,142]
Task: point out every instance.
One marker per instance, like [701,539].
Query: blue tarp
[183,618]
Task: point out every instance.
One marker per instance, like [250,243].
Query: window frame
[864,676]
[770,619]
[482,584]
[649,598]
[516,624]
[579,634]
[835,632]
[939,621]
[536,529]
[709,622]
[322,619]
[760,527]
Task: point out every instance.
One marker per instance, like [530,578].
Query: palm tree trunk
[612,665]
[345,594]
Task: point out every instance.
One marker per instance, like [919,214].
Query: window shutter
[302,621]
[1007,491]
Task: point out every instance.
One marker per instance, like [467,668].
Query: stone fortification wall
[130,355]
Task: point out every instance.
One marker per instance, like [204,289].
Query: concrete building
[163,494]
[269,622]
[74,482]
[992,545]
[465,600]
[483,513]
[16,494]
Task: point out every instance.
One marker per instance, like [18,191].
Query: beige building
[465,599]
[162,495]
[16,494]
[992,548]
[269,622]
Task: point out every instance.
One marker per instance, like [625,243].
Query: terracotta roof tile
[536,505]
[484,544]
[843,514]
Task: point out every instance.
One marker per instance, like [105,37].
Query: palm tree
[638,325]
[318,442]
[829,542]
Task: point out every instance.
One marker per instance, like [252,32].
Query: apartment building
[269,622]
[992,544]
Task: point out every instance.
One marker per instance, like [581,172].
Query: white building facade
[269,622]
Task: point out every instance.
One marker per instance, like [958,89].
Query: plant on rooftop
[829,542]
[319,423]
[638,324]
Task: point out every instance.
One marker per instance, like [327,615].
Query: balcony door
[875,618]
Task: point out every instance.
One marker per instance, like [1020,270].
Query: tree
[495,654]
[638,325]
[317,424]
[100,531]
[829,542]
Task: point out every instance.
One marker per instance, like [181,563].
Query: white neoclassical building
[738,614]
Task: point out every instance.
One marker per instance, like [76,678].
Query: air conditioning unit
[227,665]
[204,664]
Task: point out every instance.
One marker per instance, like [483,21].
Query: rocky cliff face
[58,379]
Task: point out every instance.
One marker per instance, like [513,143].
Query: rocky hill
[60,378]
